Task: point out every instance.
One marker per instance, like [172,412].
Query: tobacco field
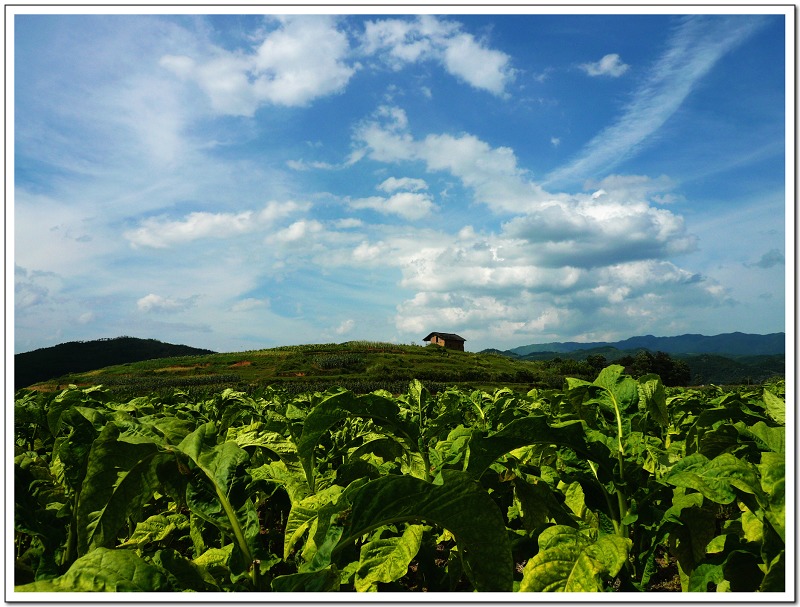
[614,485]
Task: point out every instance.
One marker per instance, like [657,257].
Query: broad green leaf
[291,477]
[215,557]
[535,429]
[775,407]
[539,504]
[304,514]
[775,576]
[457,505]
[219,464]
[768,438]
[344,405]
[184,574]
[387,560]
[420,400]
[622,388]
[105,570]
[773,482]
[715,479]
[654,399]
[324,580]
[218,461]
[156,528]
[573,560]
[120,478]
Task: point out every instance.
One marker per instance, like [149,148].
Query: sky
[238,182]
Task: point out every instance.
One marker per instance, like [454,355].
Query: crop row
[601,486]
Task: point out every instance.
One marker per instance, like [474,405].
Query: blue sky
[245,181]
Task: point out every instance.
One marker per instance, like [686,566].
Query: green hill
[358,366]
[77,356]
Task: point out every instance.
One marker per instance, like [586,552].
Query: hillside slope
[358,366]
[78,356]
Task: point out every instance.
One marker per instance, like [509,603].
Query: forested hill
[78,356]
[726,344]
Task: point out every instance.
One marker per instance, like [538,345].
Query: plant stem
[614,515]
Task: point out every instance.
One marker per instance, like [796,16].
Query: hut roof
[446,336]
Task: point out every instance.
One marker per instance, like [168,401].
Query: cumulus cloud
[492,173]
[158,303]
[609,65]
[160,232]
[556,260]
[399,42]
[615,224]
[304,58]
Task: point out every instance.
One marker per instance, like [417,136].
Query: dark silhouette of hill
[79,356]
[725,344]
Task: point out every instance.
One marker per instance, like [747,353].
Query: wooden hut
[446,340]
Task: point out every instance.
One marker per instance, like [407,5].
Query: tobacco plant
[602,486]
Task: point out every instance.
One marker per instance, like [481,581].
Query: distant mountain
[726,344]
[79,356]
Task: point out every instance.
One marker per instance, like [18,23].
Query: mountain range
[725,344]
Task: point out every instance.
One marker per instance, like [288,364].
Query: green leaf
[775,407]
[622,387]
[715,479]
[767,438]
[105,570]
[460,505]
[572,560]
[387,560]
[120,478]
[304,514]
[773,482]
[157,528]
[324,580]
[653,398]
[344,405]
[535,429]
[184,574]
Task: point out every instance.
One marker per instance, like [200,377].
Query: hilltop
[136,366]
[79,356]
[359,366]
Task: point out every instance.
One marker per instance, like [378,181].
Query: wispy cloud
[159,232]
[694,48]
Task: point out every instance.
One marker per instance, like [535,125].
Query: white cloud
[345,327]
[158,303]
[609,65]
[479,66]
[404,183]
[299,230]
[399,42]
[304,58]
[408,205]
[159,232]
